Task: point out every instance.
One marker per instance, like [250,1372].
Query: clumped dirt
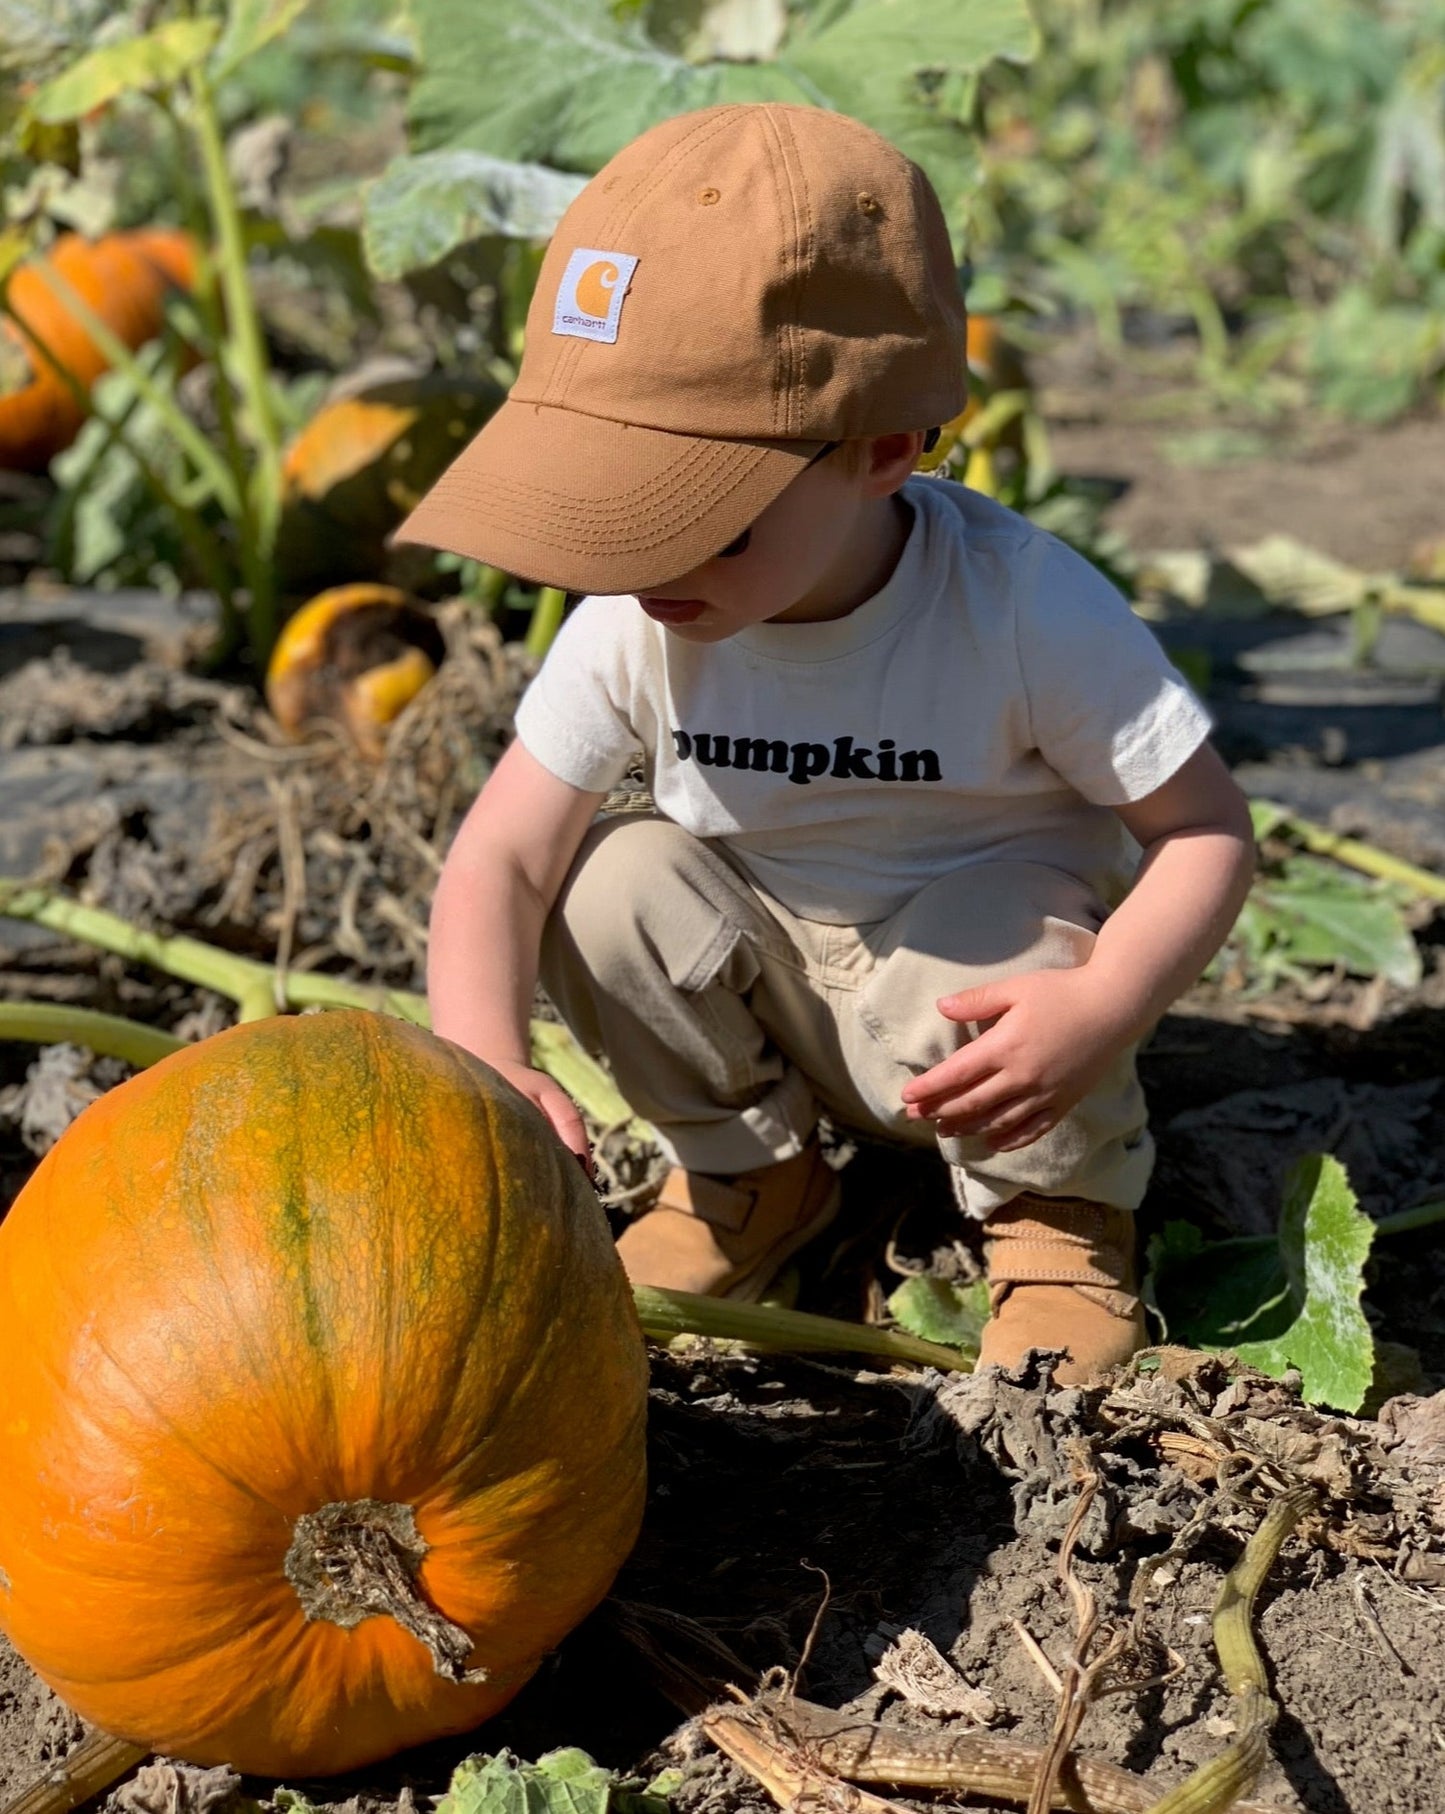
[791,1497]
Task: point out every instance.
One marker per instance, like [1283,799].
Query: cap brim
[592,505]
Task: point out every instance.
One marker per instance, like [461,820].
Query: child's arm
[1055,1032]
[497,886]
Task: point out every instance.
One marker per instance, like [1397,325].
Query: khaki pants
[729,1022]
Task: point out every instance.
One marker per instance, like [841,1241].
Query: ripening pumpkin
[124,278]
[321,1399]
[360,464]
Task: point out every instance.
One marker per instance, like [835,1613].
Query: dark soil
[927,1504]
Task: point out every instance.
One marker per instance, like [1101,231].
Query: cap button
[709,195]
[867,203]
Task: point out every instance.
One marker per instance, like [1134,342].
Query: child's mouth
[672,610]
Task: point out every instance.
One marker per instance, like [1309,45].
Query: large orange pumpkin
[322,1399]
[124,278]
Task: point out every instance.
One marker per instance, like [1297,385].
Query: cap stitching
[646,526]
[643,529]
[653,508]
[647,536]
[804,272]
[790,329]
[781,355]
[467,485]
[565,369]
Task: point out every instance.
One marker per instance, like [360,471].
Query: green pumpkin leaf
[1289,1303]
[905,66]
[1213,1295]
[1317,914]
[937,1310]
[561,82]
[568,83]
[1324,1238]
[249,25]
[421,208]
[562,1782]
[291,1801]
[135,65]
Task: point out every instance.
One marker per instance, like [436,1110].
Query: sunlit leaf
[45,143]
[568,83]
[1289,573]
[249,25]
[888,62]
[739,30]
[421,208]
[1317,914]
[560,82]
[937,1310]
[1266,816]
[1324,1238]
[562,1782]
[154,60]
[1290,1303]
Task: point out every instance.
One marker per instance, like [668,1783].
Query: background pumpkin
[361,463]
[326,1261]
[123,277]
[356,656]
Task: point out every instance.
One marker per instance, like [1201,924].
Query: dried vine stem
[798,1751]
[92,1766]
[1077,1686]
[1216,1786]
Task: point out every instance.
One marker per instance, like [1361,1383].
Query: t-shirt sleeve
[575,717]
[1109,712]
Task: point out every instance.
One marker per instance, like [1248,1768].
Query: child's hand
[1053,1035]
[555,1104]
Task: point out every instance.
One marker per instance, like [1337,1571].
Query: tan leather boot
[1061,1274]
[728,1237]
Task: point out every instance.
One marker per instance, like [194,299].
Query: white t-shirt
[994,700]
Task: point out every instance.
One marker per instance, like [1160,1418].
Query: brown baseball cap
[736,288]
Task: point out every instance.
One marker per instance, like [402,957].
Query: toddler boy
[903,746]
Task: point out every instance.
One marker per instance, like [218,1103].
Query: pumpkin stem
[358,1559]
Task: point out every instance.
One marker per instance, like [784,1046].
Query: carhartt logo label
[589,297]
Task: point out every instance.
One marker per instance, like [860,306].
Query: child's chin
[702,632]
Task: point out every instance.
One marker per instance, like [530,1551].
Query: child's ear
[890,459]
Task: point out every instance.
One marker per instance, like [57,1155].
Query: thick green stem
[1405,1221]
[664,1314]
[1364,857]
[111,1035]
[262,509]
[546,621]
[189,959]
[252,986]
[491,583]
[211,321]
[557,1053]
